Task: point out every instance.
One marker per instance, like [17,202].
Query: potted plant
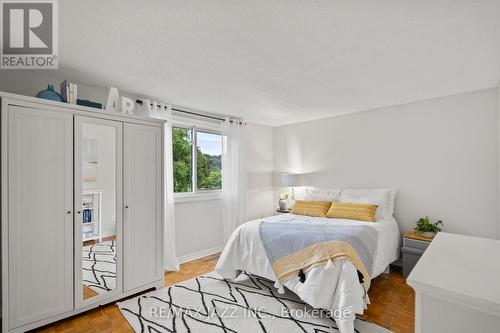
[426,228]
[283,200]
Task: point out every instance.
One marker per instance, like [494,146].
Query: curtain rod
[141,102]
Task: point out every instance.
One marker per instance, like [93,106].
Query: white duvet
[335,289]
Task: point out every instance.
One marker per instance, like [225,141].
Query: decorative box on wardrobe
[53,153]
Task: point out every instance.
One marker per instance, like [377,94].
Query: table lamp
[291,180]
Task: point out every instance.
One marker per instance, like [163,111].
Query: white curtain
[169,255]
[234,177]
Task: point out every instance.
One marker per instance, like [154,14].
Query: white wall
[198,223]
[260,166]
[198,228]
[442,155]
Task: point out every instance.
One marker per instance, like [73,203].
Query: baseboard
[199,254]
[398,262]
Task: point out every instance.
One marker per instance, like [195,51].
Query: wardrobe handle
[79,212]
[68,212]
[126,206]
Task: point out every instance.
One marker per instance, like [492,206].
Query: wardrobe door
[40,214]
[99,208]
[142,199]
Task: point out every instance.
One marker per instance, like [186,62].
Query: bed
[336,289]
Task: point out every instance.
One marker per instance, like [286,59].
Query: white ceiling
[280,62]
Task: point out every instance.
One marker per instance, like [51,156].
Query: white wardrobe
[51,154]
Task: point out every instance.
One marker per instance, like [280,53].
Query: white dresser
[457,285]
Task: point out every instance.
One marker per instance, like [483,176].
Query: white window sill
[200,196]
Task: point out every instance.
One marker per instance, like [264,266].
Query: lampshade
[291,180]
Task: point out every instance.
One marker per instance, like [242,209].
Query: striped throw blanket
[294,248]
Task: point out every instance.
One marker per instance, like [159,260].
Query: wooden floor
[88,293]
[392,304]
[96,241]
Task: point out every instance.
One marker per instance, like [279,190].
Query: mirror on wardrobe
[98,207]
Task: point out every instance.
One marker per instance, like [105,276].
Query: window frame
[196,194]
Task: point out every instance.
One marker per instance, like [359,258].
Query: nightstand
[414,246]
[283,211]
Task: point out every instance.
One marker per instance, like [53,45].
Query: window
[183,159]
[208,161]
[196,170]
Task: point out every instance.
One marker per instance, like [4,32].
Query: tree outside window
[183,159]
[207,165]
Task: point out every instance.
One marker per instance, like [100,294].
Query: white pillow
[317,194]
[384,198]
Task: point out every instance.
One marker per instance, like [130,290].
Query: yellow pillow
[352,211]
[311,208]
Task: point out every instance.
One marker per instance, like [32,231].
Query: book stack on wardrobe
[69,91]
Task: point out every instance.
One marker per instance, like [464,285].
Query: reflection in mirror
[98,209]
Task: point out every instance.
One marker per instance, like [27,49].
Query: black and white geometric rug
[209,304]
[99,266]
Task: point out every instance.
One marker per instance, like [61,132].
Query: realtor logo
[29,34]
